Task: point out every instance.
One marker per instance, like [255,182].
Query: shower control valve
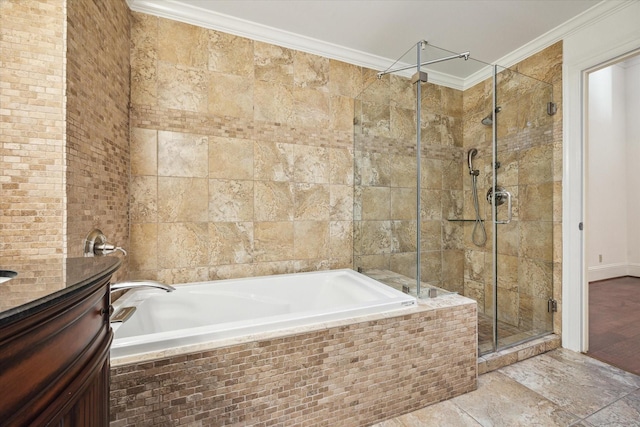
[499,197]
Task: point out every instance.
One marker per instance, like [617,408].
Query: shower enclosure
[424,153]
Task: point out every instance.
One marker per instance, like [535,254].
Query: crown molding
[172,9]
[228,24]
[631,61]
[585,19]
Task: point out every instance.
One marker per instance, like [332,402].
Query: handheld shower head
[470,155]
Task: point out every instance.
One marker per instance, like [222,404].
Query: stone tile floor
[558,388]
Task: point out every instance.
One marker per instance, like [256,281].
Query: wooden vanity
[54,347]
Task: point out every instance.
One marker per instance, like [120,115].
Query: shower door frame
[494,211]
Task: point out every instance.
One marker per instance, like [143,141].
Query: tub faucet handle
[107,248]
[96,244]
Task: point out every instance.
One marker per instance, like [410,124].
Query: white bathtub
[209,311]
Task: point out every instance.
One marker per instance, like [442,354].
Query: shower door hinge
[552,108]
[552,306]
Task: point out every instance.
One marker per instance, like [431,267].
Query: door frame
[575,289]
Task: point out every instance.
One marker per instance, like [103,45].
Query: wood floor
[614,322]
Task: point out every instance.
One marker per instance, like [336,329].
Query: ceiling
[375,33]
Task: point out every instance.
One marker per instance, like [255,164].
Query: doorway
[612,238]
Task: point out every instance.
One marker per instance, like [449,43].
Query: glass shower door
[521,199]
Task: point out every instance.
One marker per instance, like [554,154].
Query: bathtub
[228,309]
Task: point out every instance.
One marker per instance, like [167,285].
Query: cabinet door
[54,364]
[92,407]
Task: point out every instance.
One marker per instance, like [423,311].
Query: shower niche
[453,188]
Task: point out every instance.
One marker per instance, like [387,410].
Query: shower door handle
[500,194]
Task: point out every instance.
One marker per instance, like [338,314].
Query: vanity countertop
[41,282]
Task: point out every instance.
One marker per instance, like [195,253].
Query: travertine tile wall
[547,66]
[385,188]
[241,156]
[352,375]
[31,143]
[478,267]
[442,187]
[543,177]
[386,178]
[529,248]
[97,146]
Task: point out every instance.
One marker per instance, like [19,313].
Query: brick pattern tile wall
[351,375]
[31,143]
[97,148]
[50,51]
[31,129]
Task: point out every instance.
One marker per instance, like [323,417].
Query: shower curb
[493,361]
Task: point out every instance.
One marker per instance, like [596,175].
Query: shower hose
[479,234]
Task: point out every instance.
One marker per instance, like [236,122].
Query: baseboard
[607,272]
[633,270]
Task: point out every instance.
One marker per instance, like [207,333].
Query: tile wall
[530,141]
[32,133]
[386,177]
[241,153]
[530,149]
[241,156]
[547,66]
[64,127]
[32,129]
[97,114]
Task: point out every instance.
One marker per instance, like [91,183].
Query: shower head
[488,121]
[470,155]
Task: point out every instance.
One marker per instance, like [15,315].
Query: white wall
[632,107]
[608,184]
[615,34]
